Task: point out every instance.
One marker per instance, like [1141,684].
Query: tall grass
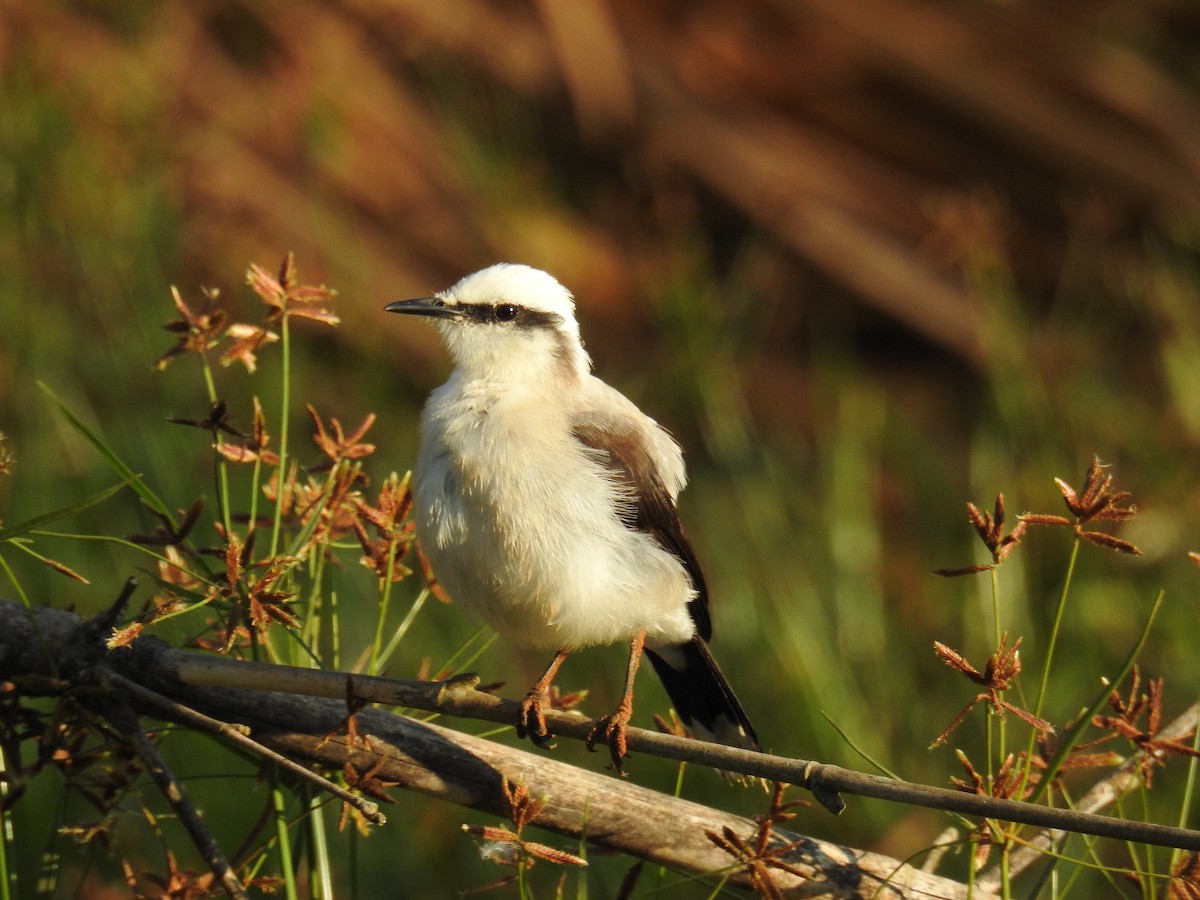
[831,446]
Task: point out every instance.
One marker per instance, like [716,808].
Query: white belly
[532,543]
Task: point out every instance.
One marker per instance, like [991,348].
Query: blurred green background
[867,261]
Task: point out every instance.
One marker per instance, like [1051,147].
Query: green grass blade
[1072,737]
[108,454]
[9,532]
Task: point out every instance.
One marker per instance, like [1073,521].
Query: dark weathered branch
[458,697]
[469,771]
[126,722]
[612,812]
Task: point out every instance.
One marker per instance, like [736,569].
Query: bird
[545,502]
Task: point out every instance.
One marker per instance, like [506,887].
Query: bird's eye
[506,312]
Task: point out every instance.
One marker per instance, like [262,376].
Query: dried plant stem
[178,712]
[126,722]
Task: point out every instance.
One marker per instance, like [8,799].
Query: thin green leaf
[16,530]
[108,454]
[1071,738]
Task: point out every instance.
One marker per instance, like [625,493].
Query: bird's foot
[531,720]
[611,730]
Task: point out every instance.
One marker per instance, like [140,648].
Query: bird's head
[506,321]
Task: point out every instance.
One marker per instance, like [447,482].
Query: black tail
[702,697]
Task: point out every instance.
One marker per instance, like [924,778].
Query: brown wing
[651,508]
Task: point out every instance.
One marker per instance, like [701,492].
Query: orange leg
[531,721]
[612,727]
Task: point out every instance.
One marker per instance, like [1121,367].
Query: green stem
[286,403]
[1084,719]
[7,840]
[996,604]
[1058,615]
[1001,728]
[321,870]
[409,618]
[210,386]
[1042,689]
[385,595]
[1188,792]
[279,809]
[254,482]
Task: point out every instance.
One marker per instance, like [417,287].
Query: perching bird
[545,501]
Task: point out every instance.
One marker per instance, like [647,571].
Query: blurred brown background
[868,260]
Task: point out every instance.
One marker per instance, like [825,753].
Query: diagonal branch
[126,722]
[170,709]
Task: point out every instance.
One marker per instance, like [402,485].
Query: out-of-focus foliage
[869,260]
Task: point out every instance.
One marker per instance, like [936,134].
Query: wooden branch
[458,697]
[124,720]
[470,771]
[445,764]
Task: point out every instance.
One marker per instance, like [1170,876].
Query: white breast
[521,526]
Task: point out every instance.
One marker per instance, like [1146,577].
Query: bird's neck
[542,364]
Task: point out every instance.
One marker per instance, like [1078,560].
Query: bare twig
[177,712]
[126,722]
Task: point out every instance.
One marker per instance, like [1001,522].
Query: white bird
[545,501]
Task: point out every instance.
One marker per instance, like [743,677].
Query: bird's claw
[531,720]
[611,730]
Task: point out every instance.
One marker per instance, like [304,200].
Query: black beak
[425,306]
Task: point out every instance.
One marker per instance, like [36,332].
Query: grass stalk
[222,472]
[321,870]
[287,870]
[7,836]
[385,595]
[285,400]
[1055,628]
[1185,807]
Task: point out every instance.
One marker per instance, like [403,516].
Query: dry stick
[458,697]
[1101,795]
[177,712]
[470,771]
[126,722]
[581,803]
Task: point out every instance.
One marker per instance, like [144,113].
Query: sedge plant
[1033,767]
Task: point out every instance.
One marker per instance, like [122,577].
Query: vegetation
[861,286]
